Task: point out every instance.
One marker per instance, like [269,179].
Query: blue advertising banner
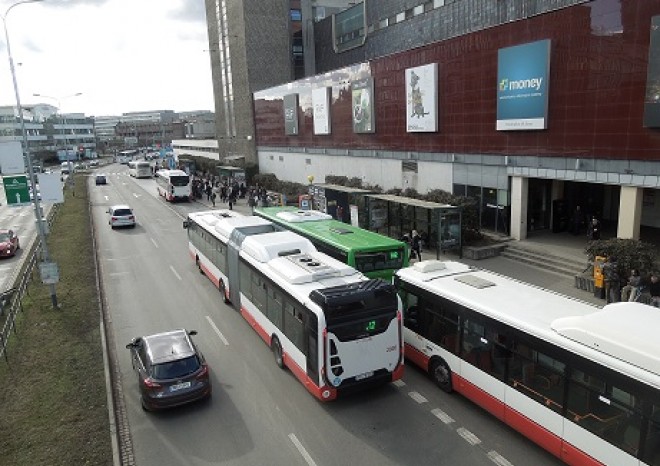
[522,86]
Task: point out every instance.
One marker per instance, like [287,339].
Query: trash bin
[599,281]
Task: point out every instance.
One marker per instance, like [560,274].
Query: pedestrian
[416,245]
[612,280]
[231,202]
[594,229]
[654,290]
[213,196]
[630,292]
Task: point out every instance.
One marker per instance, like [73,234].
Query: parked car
[171,370]
[9,243]
[121,216]
[101,179]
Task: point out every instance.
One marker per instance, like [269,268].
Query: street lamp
[63,119]
[31,174]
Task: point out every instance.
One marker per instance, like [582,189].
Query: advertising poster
[652,97]
[321,105]
[364,119]
[291,114]
[523,72]
[422,98]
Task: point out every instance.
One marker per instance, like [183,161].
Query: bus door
[233,248]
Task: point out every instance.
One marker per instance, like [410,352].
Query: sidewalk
[562,244]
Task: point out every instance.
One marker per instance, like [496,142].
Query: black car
[171,370]
[101,179]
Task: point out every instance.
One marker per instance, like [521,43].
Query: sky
[121,55]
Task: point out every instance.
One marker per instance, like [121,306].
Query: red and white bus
[580,381]
[334,328]
[174,185]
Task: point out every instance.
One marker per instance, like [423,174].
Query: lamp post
[28,158]
[63,120]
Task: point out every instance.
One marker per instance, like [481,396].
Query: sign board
[291,114]
[364,119]
[51,188]
[422,98]
[16,190]
[50,274]
[11,158]
[321,104]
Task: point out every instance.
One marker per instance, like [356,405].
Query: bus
[139,169]
[375,255]
[174,185]
[126,156]
[580,381]
[335,329]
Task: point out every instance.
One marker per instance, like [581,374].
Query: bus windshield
[179,180]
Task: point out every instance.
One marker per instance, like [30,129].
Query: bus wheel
[276,346]
[441,374]
[223,291]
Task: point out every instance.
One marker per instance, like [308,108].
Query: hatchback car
[121,216]
[9,243]
[101,179]
[171,370]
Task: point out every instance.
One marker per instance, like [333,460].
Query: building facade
[437,94]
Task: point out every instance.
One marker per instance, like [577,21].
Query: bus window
[538,376]
[651,454]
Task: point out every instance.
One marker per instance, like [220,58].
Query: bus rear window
[382,260]
[179,180]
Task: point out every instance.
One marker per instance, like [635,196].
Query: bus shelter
[439,225]
[342,202]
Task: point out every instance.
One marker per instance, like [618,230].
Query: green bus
[371,253]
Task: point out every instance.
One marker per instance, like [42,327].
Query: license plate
[179,386]
[366,375]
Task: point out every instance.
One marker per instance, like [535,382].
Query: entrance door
[538,205]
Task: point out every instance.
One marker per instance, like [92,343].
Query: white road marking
[154,241]
[417,397]
[136,195]
[498,459]
[175,274]
[116,274]
[468,436]
[302,450]
[399,383]
[217,330]
[440,414]
[106,198]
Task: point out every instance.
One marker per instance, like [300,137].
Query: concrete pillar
[630,212]
[556,193]
[519,195]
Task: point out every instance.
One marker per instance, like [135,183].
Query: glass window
[293,325]
[652,444]
[275,306]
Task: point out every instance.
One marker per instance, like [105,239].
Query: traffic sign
[16,190]
[50,273]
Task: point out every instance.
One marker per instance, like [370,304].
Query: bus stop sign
[16,190]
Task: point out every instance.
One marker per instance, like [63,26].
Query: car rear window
[175,369]
[122,212]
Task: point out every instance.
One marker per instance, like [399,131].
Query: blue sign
[523,75]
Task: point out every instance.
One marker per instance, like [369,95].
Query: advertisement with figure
[291,114]
[364,119]
[652,98]
[422,98]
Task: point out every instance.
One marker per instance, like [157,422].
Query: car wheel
[144,405]
[277,351]
[441,374]
[223,290]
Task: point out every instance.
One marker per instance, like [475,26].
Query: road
[260,414]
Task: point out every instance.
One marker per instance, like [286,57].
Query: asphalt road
[259,414]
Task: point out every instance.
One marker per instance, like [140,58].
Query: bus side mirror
[185,224]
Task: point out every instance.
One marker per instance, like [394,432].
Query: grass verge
[53,407]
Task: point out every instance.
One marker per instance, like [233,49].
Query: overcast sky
[122,55]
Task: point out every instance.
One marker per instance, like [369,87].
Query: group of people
[214,189]
[637,288]
[415,242]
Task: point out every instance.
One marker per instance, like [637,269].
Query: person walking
[416,245]
[654,290]
[630,292]
[594,229]
[612,280]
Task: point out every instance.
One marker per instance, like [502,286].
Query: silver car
[121,216]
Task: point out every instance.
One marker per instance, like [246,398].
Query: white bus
[580,381]
[174,185]
[334,328]
[126,156]
[139,169]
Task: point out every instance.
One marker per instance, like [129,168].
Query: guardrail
[11,301]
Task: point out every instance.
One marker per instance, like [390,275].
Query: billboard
[291,114]
[321,105]
[364,119]
[523,73]
[652,97]
[422,98]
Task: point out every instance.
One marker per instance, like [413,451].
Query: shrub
[630,254]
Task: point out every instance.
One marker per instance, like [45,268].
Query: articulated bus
[174,185]
[580,381]
[373,254]
[335,329]
[139,169]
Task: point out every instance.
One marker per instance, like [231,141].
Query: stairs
[571,267]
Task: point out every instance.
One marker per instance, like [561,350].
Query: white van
[65,168]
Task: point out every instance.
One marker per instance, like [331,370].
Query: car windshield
[122,212]
[4,237]
[175,369]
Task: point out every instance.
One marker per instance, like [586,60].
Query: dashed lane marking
[399,383]
[498,459]
[417,397]
[175,274]
[302,450]
[440,414]
[468,436]
[154,241]
[217,330]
